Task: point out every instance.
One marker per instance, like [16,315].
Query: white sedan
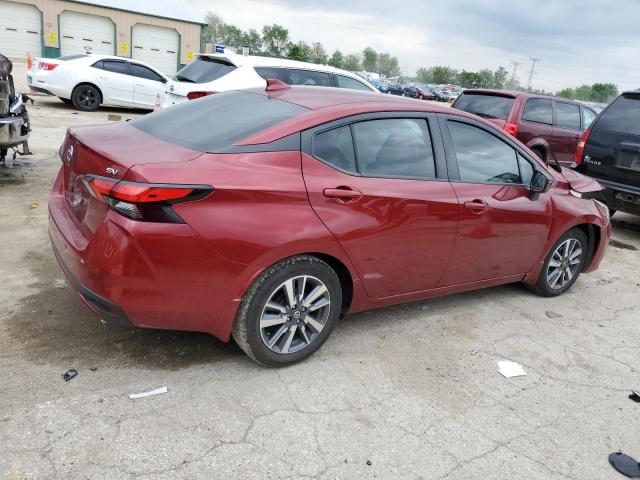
[88,81]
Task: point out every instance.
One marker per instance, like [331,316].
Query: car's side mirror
[539,182]
[164,80]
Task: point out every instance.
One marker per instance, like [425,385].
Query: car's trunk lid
[107,151]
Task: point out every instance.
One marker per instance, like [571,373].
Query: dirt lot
[405,392]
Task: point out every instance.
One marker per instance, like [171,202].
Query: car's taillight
[581,144]
[511,128]
[47,66]
[146,202]
[194,95]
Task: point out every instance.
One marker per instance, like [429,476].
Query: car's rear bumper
[149,275]
[624,198]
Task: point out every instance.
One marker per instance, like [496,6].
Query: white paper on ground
[150,393]
[510,369]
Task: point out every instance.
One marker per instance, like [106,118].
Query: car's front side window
[394,147]
[483,157]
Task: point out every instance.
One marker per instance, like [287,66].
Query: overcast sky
[578,41]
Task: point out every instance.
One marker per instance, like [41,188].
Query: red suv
[549,126]
[266,215]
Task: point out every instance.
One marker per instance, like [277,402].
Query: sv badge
[112,171]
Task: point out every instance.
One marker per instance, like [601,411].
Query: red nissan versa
[549,126]
[266,214]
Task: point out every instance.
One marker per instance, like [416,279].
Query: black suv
[609,151]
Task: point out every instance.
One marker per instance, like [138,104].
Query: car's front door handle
[343,194]
[477,206]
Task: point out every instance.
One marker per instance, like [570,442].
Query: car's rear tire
[289,311]
[86,97]
[563,264]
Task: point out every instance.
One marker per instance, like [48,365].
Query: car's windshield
[204,69]
[487,106]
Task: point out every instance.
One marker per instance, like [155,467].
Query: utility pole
[512,82]
[533,66]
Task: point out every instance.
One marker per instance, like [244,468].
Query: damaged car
[267,214]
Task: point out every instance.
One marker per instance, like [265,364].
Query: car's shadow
[55,102]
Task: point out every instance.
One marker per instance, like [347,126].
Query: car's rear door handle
[343,194]
[477,206]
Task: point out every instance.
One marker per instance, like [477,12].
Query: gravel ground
[405,392]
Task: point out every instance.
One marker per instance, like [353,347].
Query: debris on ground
[635,396]
[369,462]
[34,205]
[114,118]
[552,314]
[149,393]
[625,464]
[510,369]
[69,374]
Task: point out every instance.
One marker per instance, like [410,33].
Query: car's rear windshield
[204,69]
[483,105]
[622,116]
[214,123]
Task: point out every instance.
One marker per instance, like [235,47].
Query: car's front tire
[289,311]
[563,264]
[86,97]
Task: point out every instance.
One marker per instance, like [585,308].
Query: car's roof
[326,104]
[257,61]
[515,93]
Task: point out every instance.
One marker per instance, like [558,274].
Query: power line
[533,66]
[513,72]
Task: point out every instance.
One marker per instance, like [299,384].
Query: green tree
[394,67]
[485,77]
[567,93]
[337,59]
[583,92]
[300,51]
[253,40]
[231,35]
[212,31]
[425,75]
[318,54]
[275,39]
[500,78]
[352,62]
[369,60]
[469,79]
[603,92]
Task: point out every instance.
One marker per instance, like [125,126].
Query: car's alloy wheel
[295,314]
[564,264]
[289,311]
[88,98]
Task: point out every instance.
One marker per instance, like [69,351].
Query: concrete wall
[124,22]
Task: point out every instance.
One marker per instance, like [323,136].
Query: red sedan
[266,215]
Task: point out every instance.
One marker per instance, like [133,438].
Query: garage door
[156,46]
[81,32]
[20,30]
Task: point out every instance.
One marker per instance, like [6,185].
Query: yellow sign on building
[53,37]
[124,47]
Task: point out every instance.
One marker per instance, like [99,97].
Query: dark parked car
[411,92]
[609,151]
[266,215]
[395,89]
[549,126]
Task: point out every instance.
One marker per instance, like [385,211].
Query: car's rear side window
[622,116]
[487,106]
[394,147]
[335,147]
[281,74]
[538,110]
[567,116]
[309,77]
[216,122]
[346,82]
[205,69]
